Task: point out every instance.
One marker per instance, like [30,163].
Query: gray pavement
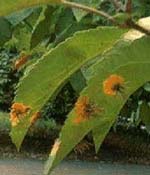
[33,167]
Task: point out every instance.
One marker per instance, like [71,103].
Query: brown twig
[129,23]
[89,9]
[128,7]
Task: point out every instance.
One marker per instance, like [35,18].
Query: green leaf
[123,53]
[5,30]
[42,28]
[72,134]
[18,17]
[53,70]
[145,114]
[19,131]
[9,6]
[22,37]
[100,132]
[78,81]
[22,33]
[79,14]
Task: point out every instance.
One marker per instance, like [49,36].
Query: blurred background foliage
[36,30]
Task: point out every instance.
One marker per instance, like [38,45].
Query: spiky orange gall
[21,62]
[113,84]
[81,109]
[56,147]
[84,109]
[14,119]
[20,107]
[18,110]
[79,119]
